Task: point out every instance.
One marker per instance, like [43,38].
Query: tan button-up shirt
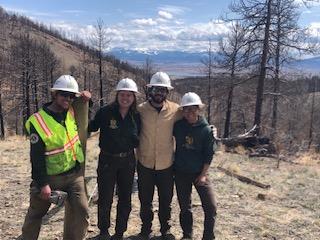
[156,141]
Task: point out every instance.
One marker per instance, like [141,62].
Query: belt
[119,155]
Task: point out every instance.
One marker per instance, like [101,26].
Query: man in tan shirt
[155,154]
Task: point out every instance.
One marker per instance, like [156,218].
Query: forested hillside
[297,118]
[33,56]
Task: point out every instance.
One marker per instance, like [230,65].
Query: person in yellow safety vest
[56,155]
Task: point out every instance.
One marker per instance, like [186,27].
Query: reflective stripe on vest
[64,148]
[43,124]
[62,143]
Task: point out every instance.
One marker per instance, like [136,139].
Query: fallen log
[244,179]
[267,155]
[248,141]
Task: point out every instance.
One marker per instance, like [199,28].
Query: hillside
[33,56]
[289,210]
[69,52]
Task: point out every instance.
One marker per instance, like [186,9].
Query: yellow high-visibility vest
[62,144]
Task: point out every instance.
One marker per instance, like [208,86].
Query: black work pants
[111,171]
[147,180]
[184,182]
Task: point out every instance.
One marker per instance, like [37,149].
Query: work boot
[208,238]
[186,237]
[167,236]
[117,236]
[143,236]
[103,236]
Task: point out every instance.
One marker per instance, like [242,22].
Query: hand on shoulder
[85,95]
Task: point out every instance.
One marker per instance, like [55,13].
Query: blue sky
[146,25]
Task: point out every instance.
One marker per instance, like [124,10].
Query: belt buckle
[122,154]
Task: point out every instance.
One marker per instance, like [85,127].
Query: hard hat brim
[159,85]
[65,90]
[126,89]
[201,106]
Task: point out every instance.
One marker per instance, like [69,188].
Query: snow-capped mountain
[180,63]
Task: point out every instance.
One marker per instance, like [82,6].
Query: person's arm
[136,130]
[138,121]
[94,124]
[207,157]
[178,115]
[208,143]
[202,178]
[85,95]
[38,163]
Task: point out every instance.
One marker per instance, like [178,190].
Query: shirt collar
[164,107]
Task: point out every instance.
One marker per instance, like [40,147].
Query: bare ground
[290,209]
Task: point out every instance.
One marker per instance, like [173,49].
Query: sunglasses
[67,94]
[159,89]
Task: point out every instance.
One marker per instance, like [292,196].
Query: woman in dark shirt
[194,152]
[119,125]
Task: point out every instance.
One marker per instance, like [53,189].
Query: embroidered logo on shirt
[34,138]
[188,142]
[113,124]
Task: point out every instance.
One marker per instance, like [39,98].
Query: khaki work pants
[76,208]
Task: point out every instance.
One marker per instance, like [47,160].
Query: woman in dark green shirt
[119,125]
[194,152]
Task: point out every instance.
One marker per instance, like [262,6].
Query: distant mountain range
[176,63]
[311,64]
[159,56]
[180,64]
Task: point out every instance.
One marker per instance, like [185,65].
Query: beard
[158,98]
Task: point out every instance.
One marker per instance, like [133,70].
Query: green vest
[62,144]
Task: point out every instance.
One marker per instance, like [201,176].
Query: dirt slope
[291,209]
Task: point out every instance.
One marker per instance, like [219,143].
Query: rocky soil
[290,209]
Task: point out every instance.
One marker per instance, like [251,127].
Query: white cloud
[315,25]
[307,3]
[314,29]
[306,12]
[66,27]
[178,22]
[177,10]
[150,35]
[161,32]
[165,15]
[144,21]
[204,31]
[72,11]
[166,30]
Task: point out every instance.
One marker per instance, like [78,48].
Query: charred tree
[100,41]
[208,62]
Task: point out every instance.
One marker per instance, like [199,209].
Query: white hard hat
[191,99]
[66,83]
[160,79]
[127,84]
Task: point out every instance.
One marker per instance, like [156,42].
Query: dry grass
[290,209]
[310,158]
